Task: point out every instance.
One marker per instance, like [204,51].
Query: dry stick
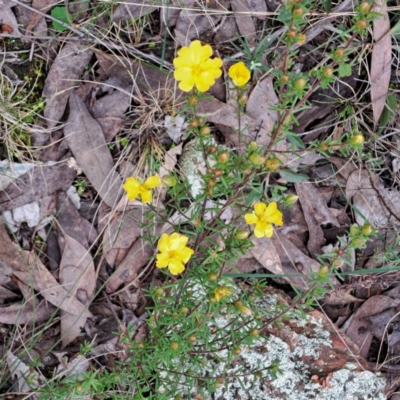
[85,36]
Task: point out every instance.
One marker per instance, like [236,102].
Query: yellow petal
[153,182]
[163,243]
[185,254]
[175,267]
[213,67]
[273,215]
[132,187]
[259,209]
[177,241]
[206,53]
[183,74]
[146,195]
[251,218]
[260,228]
[239,74]
[269,230]
[162,260]
[186,86]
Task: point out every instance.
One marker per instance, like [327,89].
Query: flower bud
[195,222]
[298,12]
[244,310]
[175,315]
[212,149]
[366,229]
[357,140]
[169,180]
[223,157]
[302,39]
[272,164]
[285,78]
[184,310]
[291,199]
[236,350]
[211,183]
[205,131]
[358,242]
[218,172]
[292,33]
[159,292]
[323,271]
[365,7]
[300,83]
[327,72]
[243,99]
[339,53]
[253,146]
[337,264]
[192,338]
[362,24]
[178,398]
[242,234]
[254,332]
[212,276]
[257,159]
[194,123]
[193,100]
[323,147]
[209,191]
[174,346]
[202,121]
[354,230]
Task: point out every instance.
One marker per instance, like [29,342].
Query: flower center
[262,218]
[172,254]
[197,69]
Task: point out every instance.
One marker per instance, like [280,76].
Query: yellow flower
[173,253]
[263,217]
[239,74]
[195,68]
[221,291]
[134,188]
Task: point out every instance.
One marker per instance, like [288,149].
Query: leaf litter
[91,114]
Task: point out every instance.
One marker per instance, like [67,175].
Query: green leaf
[295,140]
[389,110]
[292,177]
[60,13]
[327,5]
[344,70]
[254,195]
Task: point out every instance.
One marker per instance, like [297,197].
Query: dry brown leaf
[132,9]
[39,182]
[67,68]
[258,107]
[27,379]
[244,20]
[170,160]
[259,8]
[294,261]
[120,234]
[225,117]
[10,253]
[78,277]
[381,60]
[26,313]
[138,256]
[358,329]
[44,283]
[265,253]
[87,143]
[34,18]
[377,204]
[192,23]
[7,18]
[316,213]
[341,297]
